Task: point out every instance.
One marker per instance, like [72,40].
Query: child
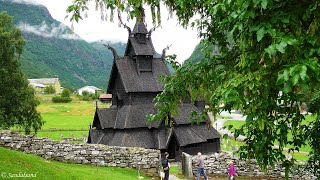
[232,171]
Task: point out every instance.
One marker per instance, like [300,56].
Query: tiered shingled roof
[134,82]
[124,124]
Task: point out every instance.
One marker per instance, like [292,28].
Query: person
[232,171]
[166,166]
[200,170]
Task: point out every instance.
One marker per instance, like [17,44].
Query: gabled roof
[36,85]
[91,87]
[153,138]
[134,82]
[144,47]
[191,134]
[162,137]
[105,96]
[140,27]
[128,116]
[141,48]
[134,116]
[44,80]
[124,138]
[184,113]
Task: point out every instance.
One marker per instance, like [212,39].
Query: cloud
[48,31]
[32,2]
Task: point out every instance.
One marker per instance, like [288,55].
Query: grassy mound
[14,163]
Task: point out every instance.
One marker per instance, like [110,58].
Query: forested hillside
[53,50]
[198,53]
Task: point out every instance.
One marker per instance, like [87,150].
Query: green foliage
[63,98]
[133,9]
[60,99]
[265,47]
[65,93]
[17,102]
[198,54]
[49,90]
[86,96]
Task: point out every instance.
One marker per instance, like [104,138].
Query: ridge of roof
[140,27]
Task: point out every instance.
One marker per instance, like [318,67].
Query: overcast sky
[93,29]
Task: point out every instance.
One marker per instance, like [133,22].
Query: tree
[49,90]
[17,101]
[65,93]
[268,63]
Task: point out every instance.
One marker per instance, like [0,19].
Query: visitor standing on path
[166,166]
[200,170]
[232,171]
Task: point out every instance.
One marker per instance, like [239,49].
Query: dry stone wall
[217,164]
[148,160]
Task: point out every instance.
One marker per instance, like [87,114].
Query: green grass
[75,115]
[15,162]
[64,120]
[228,146]
[58,135]
[175,170]
[236,123]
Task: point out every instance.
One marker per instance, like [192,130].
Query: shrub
[86,96]
[49,90]
[59,99]
[65,93]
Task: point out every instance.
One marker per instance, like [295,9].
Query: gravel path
[173,177]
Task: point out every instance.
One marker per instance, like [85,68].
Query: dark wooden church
[134,83]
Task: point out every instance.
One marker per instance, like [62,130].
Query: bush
[86,96]
[49,90]
[59,99]
[65,93]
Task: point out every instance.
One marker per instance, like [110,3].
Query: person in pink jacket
[232,171]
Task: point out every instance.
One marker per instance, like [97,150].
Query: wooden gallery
[134,83]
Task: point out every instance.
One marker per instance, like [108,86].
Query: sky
[92,28]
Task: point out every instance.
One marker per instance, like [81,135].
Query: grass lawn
[74,115]
[175,170]
[63,120]
[58,135]
[15,162]
[236,123]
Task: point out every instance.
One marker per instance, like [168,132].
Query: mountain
[198,54]
[53,50]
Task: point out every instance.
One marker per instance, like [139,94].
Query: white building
[89,89]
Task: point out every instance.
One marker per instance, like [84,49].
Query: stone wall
[217,164]
[148,160]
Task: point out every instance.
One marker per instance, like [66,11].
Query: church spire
[139,42]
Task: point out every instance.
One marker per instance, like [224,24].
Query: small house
[89,89]
[105,97]
[40,84]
